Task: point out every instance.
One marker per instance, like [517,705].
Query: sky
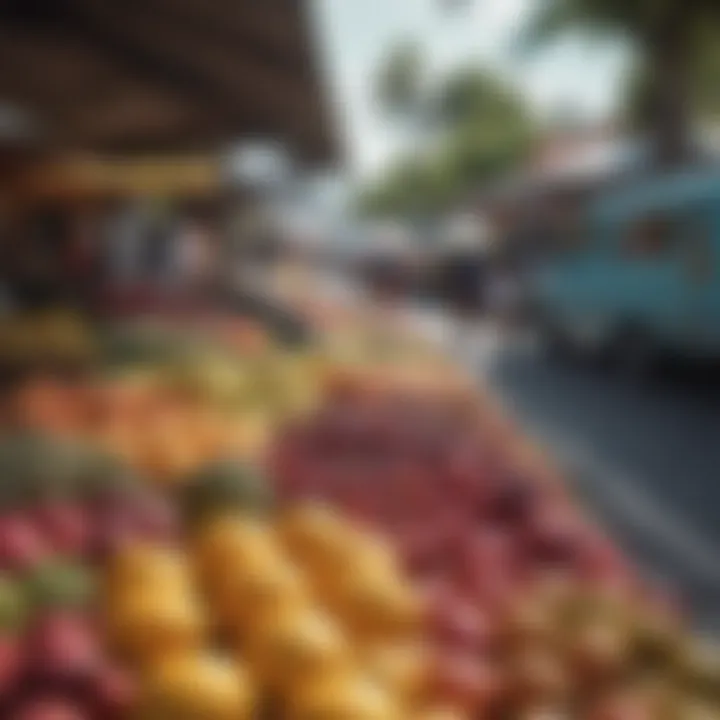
[355,35]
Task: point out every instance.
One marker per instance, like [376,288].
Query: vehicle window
[651,236]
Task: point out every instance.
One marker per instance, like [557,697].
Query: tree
[400,80]
[706,85]
[479,128]
[413,186]
[703,94]
[669,35]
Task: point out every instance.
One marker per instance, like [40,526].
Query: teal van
[640,274]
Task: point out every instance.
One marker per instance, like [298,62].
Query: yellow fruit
[148,566]
[377,605]
[234,542]
[171,442]
[343,696]
[403,668]
[318,537]
[151,623]
[292,646]
[439,713]
[121,441]
[245,594]
[374,557]
[199,687]
[248,434]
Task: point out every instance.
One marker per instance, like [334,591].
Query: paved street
[647,459]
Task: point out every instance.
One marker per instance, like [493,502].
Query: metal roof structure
[137,76]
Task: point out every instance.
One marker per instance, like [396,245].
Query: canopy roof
[164,75]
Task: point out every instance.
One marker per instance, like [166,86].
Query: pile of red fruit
[485,539]
[453,502]
[53,541]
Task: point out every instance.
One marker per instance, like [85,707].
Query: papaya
[199,687]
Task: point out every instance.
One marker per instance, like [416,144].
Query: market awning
[165,75]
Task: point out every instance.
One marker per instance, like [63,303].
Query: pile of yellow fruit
[307,615]
[52,339]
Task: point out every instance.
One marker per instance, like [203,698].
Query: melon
[13,605]
[222,487]
[61,584]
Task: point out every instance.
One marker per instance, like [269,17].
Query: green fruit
[103,473]
[27,465]
[698,668]
[61,584]
[35,467]
[225,485]
[13,604]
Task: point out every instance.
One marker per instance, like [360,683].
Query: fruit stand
[198,522]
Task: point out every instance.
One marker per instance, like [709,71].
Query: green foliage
[703,92]
[595,18]
[706,82]
[481,128]
[400,79]
[678,63]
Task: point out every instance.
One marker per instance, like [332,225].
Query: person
[462,280]
[124,245]
[503,295]
[193,258]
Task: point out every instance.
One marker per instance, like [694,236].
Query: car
[640,277]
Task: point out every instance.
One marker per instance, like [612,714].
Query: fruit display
[199,523]
[167,418]
[223,486]
[56,339]
[63,512]
[530,609]
[304,615]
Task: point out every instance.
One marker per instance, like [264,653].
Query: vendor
[463,269]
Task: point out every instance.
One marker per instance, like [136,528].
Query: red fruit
[63,646]
[600,561]
[153,517]
[420,550]
[511,500]
[11,663]
[115,692]
[555,537]
[625,706]
[465,681]
[492,589]
[66,528]
[49,709]
[458,622]
[113,531]
[484,551]
[22,546]
[539,676]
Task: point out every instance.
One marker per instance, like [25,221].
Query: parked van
[641,275]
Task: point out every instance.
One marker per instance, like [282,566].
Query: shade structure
[138,76]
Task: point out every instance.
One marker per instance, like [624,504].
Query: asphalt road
[646,458]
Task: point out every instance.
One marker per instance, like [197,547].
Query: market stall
[203,523]
[201,519]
